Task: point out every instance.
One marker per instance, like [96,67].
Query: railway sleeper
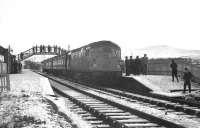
[90,118]
[95,121]
[85,115]
[117,114]
[133,121]
[118,117]
[111,109]
[102,126]
[137,125]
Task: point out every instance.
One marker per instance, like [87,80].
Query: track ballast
[113,113]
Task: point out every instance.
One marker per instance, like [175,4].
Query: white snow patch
[26,106]
[143,80]
[63,107]
[163,85]
[46,87]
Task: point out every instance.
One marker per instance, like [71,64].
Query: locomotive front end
[105,62]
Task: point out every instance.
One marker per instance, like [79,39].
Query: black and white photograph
[99,64]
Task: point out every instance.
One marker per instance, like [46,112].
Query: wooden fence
[162,67]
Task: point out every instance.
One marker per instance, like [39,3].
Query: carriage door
[67,62]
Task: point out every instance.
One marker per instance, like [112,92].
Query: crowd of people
[45,49]
[48,48]
[136,66]
[139,66]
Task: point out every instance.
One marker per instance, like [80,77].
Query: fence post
[1,82]
[8,82]
[4,78]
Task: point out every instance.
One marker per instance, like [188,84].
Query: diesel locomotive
[97,62]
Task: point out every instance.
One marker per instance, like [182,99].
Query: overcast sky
[129,23]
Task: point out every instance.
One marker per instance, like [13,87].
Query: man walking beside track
[187,80]
[174,66]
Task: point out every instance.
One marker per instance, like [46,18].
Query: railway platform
[31,83]
[163,85]
[31,102]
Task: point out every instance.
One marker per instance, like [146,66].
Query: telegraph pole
[8,60]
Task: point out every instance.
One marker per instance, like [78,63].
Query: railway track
[181,107]
[118,114]
[102,114]
[169,104]
[86,115]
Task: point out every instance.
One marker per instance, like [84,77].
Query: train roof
[103,43]
[91,45]
[98,44]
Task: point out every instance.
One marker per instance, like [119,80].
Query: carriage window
[87,52]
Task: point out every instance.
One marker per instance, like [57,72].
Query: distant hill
[165,51]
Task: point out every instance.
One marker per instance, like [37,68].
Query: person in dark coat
[36,49]
[127,66]
[22,56]
[174,67]
[55,49]
[122,66]
[137,65]
[49,48]
[144,63]
[59,50]
[43,48]
[131,61]
[187,79]
[40,48]
[33,50]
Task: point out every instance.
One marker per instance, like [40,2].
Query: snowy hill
[165,51]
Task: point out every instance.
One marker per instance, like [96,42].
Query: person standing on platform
[36,49]
[137,65]
[55,49]
[22,56]
[43,48]
[127,66]
[59,50]
[174,67]
[122,66]
[187,76]
[40,48]
[131,61]
[49,48]
[144,63]
[33,50]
